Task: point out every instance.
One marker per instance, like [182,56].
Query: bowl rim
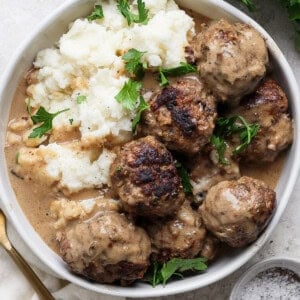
[278,261]
[188,285]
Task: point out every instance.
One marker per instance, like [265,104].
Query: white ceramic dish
[285,263]
[44,36]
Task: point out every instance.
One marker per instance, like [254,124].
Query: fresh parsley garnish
[80,99]
[42,116]
[71,121]
[220,145]
[129,94]
[250,5]
[28,107]
[293,7]
[182,69]
[226,127]
[185,179]
[142,106]
[163,79]
[17,157]
[133,65]
[161,273]
[97,13]
[141,17]
[129,97]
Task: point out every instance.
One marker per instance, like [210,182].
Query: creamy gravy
[35,199]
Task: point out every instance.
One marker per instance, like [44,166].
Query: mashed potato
[68,167]
[87,62]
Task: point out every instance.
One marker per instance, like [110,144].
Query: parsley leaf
[247,133]
[28,106]
[42,116]
[249,4]
[71,121]
[185,179]
[182,69]
[226,127]
[80,99]
[293,7]
[220,145]
[129,94]
[17,157]
[142,16]
[142,106]
[143,13]
[133,64]
[161,273]
[97,13]
[163,79]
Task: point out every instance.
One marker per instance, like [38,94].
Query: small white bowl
[45,35]
[285,263]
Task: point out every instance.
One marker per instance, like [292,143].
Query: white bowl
[44,36]
[285,263]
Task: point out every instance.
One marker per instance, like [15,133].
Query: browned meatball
[237,211]
[206,172]
[181,115]
[268,107]
[106,248]
[232,59]
[145,177]
[182,236]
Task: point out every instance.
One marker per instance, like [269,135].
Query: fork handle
[37,284]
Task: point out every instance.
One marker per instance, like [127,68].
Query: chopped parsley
[118,169]
[129,94]
[220,145]
[161,273]
[71,121]
[28,107]
[250,5]
[142,106]
[185,179]
[42,116]
[133,65]
[97,13]
[17,157]
[163,79]
[226,127]
[80,99]
[141,17]
[182,69]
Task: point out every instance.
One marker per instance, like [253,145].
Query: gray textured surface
[18,17]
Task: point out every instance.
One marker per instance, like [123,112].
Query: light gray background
[18,17]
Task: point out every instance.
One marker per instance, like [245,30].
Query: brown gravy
[35,199]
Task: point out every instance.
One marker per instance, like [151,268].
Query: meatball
[231,58]
[106,248]
[183,236]
[181,115]
[206,172]
[210,247]
[268,107]
[237,211]
[145,177]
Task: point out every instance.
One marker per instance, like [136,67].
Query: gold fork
[21,263]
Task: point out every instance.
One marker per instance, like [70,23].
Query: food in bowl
[105,149]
